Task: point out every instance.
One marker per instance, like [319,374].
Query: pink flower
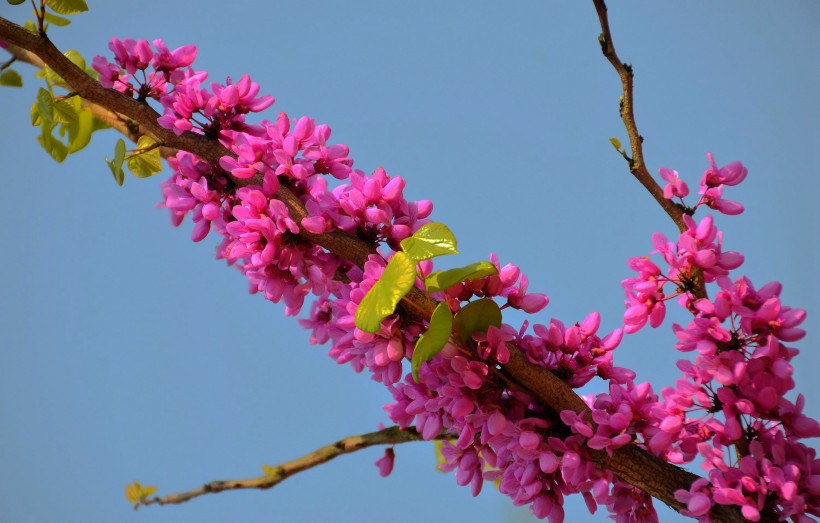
[675,187]
[385,463]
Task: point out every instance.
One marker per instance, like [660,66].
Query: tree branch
[389,436]
[631,464]
[636,164]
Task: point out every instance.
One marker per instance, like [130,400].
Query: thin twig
[281,472]
[636,163]
[5,65]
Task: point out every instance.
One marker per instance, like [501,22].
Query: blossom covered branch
[504,394]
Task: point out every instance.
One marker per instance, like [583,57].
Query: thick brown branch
[281,472]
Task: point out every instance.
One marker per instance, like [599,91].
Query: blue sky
[129,353]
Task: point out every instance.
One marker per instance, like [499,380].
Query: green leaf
[56,20]
[136,493]
[52,77]
[431,342]
[147,161]
[433,239]
[45,105]
[75,57]
[35,115]
[79,133]
[64,112]
[381,300]
[116,164]
[440,281]
[53,146]
[11,78]
[477,316]
[15,2]
[67,7]
[99,125]
[616,143]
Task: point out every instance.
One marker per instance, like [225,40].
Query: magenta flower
[675,187]
[385,463]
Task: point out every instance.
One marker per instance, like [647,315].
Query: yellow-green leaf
[616,143]
[45,105]
[440,281]
[56,20]
[273,472]
[64,112]
[11,78]
[79,133]
[76,58]
[146,161]
[52,145]
[381,300]
[116,164]
[67,7]
[431,240]
[136,493]
[434,339]
[35,115]
[476,316]
[52,77]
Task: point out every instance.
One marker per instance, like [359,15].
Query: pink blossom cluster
[497,433]
[730,408]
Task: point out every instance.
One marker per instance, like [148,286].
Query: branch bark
[636,164]
[631,464]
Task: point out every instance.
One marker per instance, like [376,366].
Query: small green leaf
[147,161]
[273,472]
[53,146]
[381,300]
[75,57]
[116,164]
[616,143]
[99,125]
[79,133]
[45,105]
[440,281]
[431,342]
[64,112]
[67,7]
[15,2]
[11,78]
[477,316]
[56,20]
[431,240]
[35,115]
[52,77]
[136,493]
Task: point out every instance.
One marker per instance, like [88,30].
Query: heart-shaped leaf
[431,240]
[381,300]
